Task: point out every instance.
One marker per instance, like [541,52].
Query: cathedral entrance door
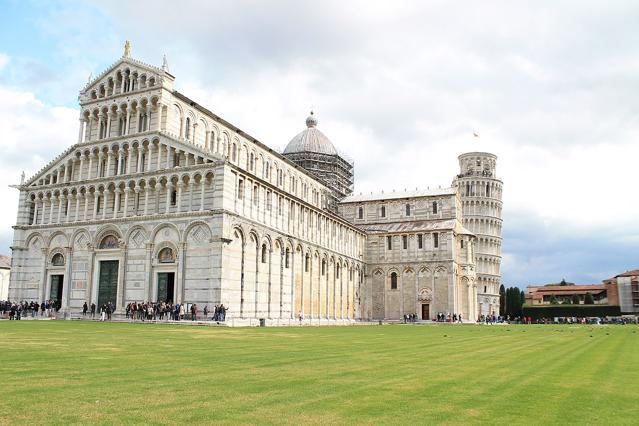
[56,288]
[166,286]
[425,311]
[108,282]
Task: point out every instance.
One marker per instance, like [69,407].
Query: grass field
[114,373]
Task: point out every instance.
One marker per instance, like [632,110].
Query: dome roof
[310,140]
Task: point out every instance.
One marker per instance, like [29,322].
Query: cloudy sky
[399,87]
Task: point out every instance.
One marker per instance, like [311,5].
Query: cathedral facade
[162,200]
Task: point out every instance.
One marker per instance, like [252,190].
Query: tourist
[181,311]
[206,312]
[103,309]
[85,308]
[92,310]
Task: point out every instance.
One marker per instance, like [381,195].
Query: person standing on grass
[103,309]
[92,310]
[206,312]
[85,308]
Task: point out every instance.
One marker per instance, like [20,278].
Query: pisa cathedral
[160,199]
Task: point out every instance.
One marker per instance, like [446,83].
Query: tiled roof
[398,195]
[633,273]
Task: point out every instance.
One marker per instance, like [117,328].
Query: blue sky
[398,86]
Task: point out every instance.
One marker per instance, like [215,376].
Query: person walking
[93,310]
[103,310]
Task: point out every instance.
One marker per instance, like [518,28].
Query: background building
[481,198]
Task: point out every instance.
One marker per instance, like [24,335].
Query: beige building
[161,199]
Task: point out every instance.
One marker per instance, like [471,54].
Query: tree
[554,300]
[589,300]
[502,300]
[575,299]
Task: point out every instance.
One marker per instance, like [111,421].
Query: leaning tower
[480,191]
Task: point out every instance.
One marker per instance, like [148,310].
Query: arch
[57,259]
[61,243]
[166,255]
[161,226]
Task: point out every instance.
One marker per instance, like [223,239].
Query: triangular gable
[58,160]
[103,77]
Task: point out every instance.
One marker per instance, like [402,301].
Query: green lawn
[114,373]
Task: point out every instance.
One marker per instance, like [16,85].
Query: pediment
[109,82]
[54,164]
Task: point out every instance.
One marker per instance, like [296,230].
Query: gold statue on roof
[127,49]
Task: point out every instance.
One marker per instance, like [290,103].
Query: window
[263,253]
[166,255]
[98,202]
[57,260]
[252,162]
[268,200]
[407,209]
[435,240]
[462,243]
[420,241]
[256,195]
[187,131]
[287,259]
[487,190]
[360,213]
[383,213]
[337,271]
[307,261]
[389,243]
[240,189]
[323,267]
[478,163]
[394,281]
[142,163]
[405,241]
[485,289]
[434,207]
[109,242]
[173,197]
[234,152]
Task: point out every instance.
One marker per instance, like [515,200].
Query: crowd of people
[23,309]
[133,311]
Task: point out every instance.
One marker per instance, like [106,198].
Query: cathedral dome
[310,140]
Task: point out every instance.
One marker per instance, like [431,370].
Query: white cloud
[4,60]
[400,86]
[32,133]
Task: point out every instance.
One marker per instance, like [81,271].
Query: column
[128,118]
[107,172]
[158,125]
[130,167]
[191,186]
[61,199]
[88,129]
[146,200]
[116,206]
[168,157]
[108,127]
[168,196]
[138,115]
[81,167]
[104,203]
[86,205]
[51,202]
[35,212]
[127,190]
[202,186]
[140,151]
[179,185]
[77,206]
[159,156]
[90,165]
[95,204]
[120,159]
[68,171]
[81,131]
